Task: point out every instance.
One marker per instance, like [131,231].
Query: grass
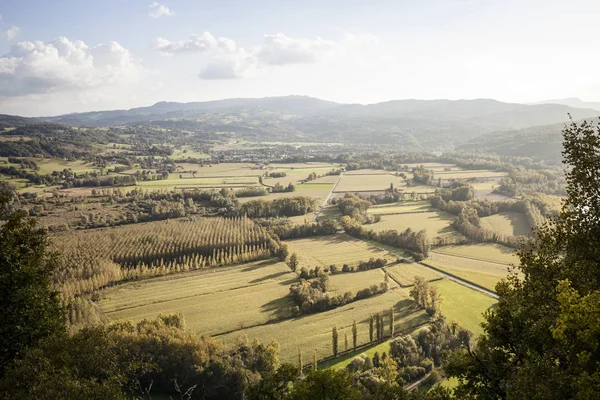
[212,302]
[464,174]
[355,281]
[343,361]
[373,182]
[335,249]
[472,268]
[47,166]
[436,223]
[483,251]
[405,273]
[313,332]
[400,207]
[464,305]
[330,212]
[507,223]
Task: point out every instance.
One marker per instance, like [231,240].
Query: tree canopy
[542,341]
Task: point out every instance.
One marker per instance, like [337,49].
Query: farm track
[461,281]
[328,197]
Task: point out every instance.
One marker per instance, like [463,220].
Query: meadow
[467,262]
[507,223]
[355,281]
[464,305]
[400,207]
[335,249]
[368,182]
[313,332]
[405,273]
[252,294]
[436,223]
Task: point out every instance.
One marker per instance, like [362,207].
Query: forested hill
[432,124]
[543,142]
[13,121]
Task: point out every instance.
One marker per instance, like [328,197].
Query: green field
[507,223]
[355,281]
[373,182]
[464,305]
[335,249]
[405,273]
[436,223]
[401,207]
[313,332]
[465,174]
[214,301]
[482,264]
[482,251]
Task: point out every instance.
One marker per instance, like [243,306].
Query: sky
[68,56]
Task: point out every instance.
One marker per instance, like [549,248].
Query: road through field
[328,197]
[449,277]
[461,281]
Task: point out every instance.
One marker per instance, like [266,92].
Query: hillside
[438,124]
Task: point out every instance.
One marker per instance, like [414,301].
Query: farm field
[335,249]
[432,166]
[367,172]
[313,332]
[482,251]
[355,281]
[405,273]
[468,173]
[47,166]
[324,179]
[479,271]
[436,223]
[507,223]
[297,172]
[464,305]
[400,207]
[251,294]
[370,351]
[373,182]
[222,170]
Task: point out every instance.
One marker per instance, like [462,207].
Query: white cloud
[38,67]
[158,10]
[13,32]
[229,61]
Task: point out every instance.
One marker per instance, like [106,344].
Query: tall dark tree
[354,335]
[542,339]
[30,309]
[334,341]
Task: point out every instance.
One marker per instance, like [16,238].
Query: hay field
[335,249]
[313,332]
[482,251]
[476,270]
[436,223]
[507,223]
[400,207]
[468,173]
[212,302]
[405,273]
[367,172]
[373,182]
[464,305]
[355,281]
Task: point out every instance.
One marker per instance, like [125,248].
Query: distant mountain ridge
[505,128]
[574,102]
[491,113]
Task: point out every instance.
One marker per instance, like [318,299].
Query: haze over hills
[574,102]
[439,124]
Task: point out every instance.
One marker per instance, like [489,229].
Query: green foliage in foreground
[29,308]
[542,339]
